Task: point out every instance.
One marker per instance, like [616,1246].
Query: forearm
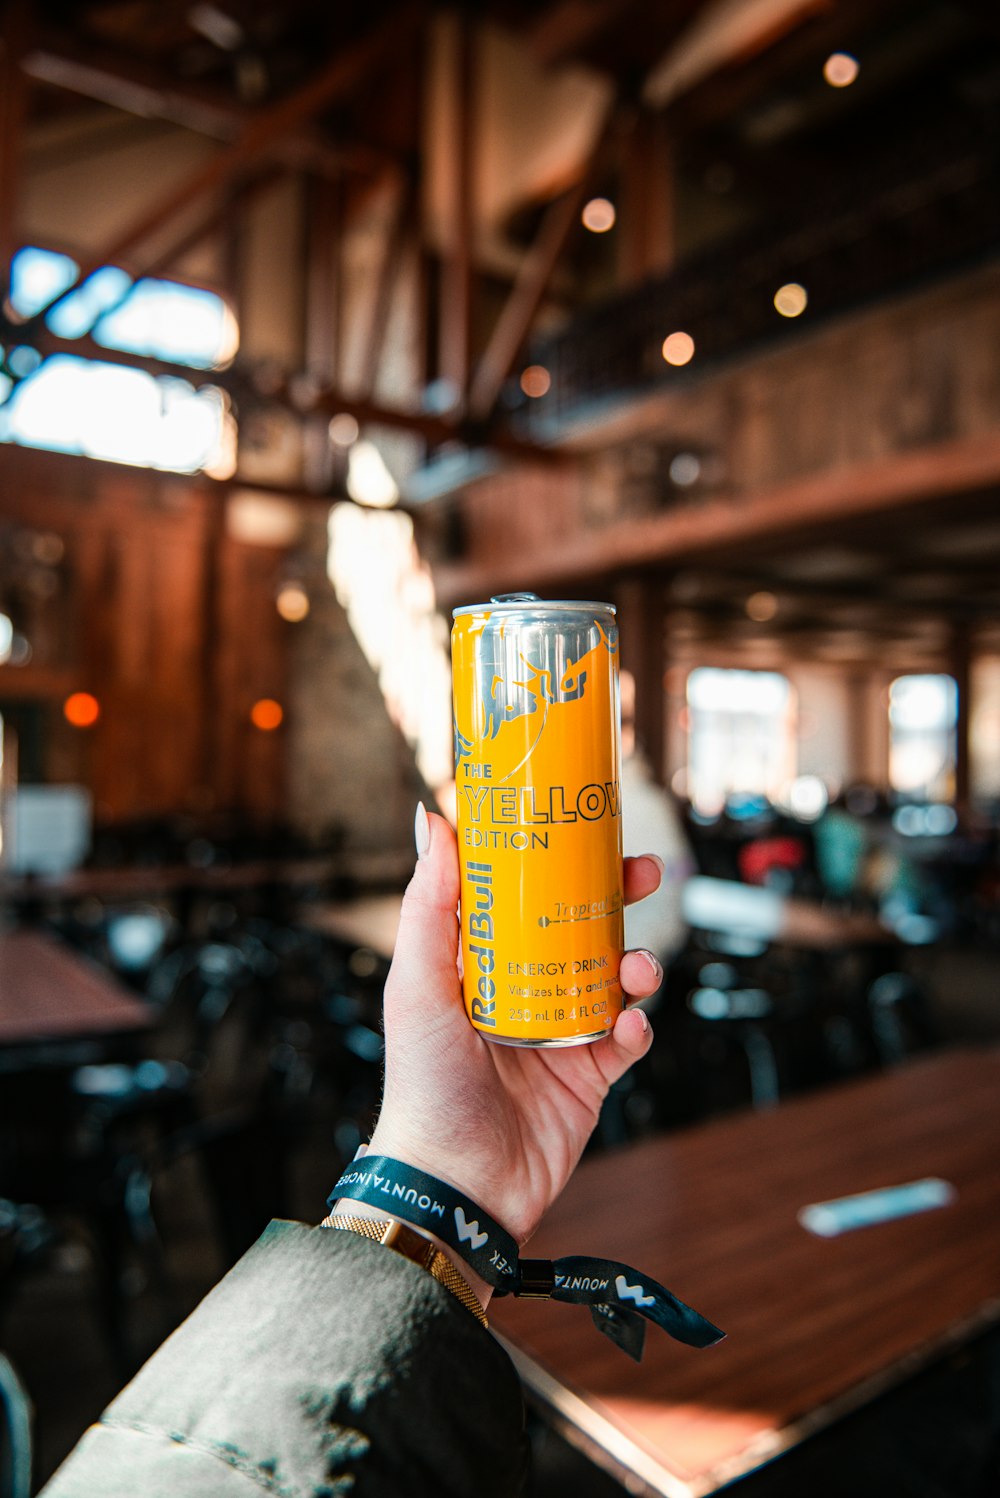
[320,1357]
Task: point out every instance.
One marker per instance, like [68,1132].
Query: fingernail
[658,861]
[645,1021]
[422,831]
[653,962]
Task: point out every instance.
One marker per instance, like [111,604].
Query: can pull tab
[515,598]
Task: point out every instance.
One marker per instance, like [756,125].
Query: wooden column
[640,601]
[323,325]
[211,739]
[858,696]
[14,23]
[646,232]
[960,667]
[455,332]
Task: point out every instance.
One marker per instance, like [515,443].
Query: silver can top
[530,602]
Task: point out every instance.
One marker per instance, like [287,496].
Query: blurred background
[318,321]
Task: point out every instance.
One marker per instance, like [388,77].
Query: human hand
[504,1124]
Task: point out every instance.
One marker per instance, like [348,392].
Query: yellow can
[538,775]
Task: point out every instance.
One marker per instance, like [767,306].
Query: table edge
[616,1452]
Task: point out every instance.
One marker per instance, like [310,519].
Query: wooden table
[135,881]
[816,1327]
[726,906]
[719,905]
[372,921]
[49,994]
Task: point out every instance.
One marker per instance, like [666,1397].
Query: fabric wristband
[618,1296]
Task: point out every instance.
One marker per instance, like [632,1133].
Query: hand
[504,1124]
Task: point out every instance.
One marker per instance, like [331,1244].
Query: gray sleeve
[322,1364]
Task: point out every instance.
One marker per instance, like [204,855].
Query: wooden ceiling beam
[306,396]
[340,76]
[564,29]
[821,503]
[718,98]
[724,34]
[137,88]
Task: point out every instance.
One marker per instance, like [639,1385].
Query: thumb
[424,962]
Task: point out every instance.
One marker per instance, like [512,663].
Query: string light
[678,348]
[292,602]
[599,215]
[791,299]
[685,469]
[343,430]
[535,381]
[761,607]
[841,69]
[81,709]
[267,714]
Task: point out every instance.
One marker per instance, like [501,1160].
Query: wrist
[346,1207]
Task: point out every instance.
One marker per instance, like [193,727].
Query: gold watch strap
[415,1247]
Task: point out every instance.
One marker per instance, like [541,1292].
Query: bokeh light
[598,215]
[535,381]
[267,714]
[761,606]
[292,602]
[344,430]
[81,709]
[678,348]
[791,299]
[840,69]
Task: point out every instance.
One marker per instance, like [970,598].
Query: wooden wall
[169,622]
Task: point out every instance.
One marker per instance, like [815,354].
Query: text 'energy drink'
[538,778]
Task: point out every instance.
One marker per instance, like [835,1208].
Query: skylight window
[104,410]
[161,319]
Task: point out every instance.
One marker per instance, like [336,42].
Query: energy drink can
[538,778]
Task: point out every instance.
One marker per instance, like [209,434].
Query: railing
[908,218]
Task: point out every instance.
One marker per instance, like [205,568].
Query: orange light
[81,709]
[535,380]
[678,348]
[761,606]
[791,299]
[267,714]
[840,69]
[598,215]
[292,602]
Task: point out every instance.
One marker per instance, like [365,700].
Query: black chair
[84,1160]
[15,1434]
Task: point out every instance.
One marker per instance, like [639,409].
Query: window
[105,410]
[741,736]
[923,712]
[387,591]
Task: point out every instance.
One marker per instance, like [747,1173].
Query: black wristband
[619,1297]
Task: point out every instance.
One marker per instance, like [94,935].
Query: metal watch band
[415,1247]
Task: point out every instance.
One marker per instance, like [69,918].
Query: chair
[15,1434]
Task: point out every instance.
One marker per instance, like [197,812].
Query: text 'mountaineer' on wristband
[620,1298]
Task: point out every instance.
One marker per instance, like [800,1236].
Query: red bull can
[538,780]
